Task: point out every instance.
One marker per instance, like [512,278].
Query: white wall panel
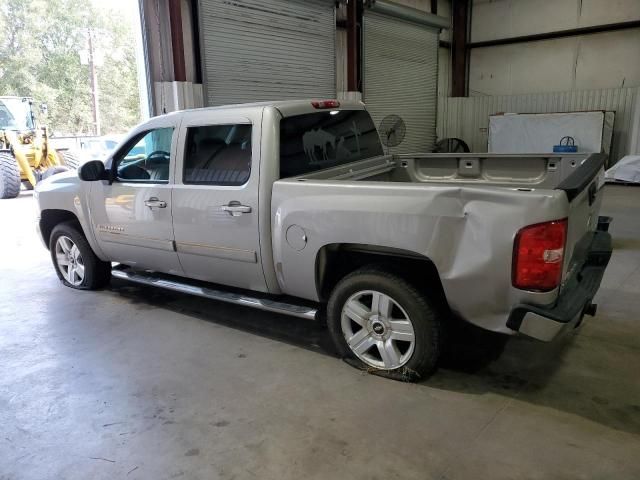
[494,19]
[608,60]
[514,18]
[604,60]
[600,12]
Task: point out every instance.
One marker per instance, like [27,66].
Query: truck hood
[58,180]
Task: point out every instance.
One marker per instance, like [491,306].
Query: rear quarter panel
[467,232]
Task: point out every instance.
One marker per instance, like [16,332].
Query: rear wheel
[382,322]
[9,176]
[74,261]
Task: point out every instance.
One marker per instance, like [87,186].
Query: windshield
[15,114]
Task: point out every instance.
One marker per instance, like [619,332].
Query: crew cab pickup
[295,207]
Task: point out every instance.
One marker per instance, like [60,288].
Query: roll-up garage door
[401,74]
[267,50]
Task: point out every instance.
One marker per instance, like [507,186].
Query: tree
[40,57]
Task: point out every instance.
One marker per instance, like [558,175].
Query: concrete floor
[132,383]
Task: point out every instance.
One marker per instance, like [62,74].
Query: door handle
[235,209]
[154,202]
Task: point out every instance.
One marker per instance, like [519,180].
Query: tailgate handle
[592,193]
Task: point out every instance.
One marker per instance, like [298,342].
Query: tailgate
[584,188]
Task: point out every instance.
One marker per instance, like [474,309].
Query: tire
[9,176]
[407,347]
[70,160]
[50,172]
[69,251]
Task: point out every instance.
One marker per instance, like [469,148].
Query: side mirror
[93,171]
[44,109]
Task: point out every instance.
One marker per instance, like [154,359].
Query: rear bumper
[548,321]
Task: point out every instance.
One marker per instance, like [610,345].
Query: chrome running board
[265,304]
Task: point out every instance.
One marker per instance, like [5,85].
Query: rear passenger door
[215,200]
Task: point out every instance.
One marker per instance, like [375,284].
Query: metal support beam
[459,52]
[177,41]
[195,29]
[353,46]
[610,27]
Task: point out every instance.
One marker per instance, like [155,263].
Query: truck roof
[286,107]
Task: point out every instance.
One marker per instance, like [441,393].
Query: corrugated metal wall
[468,117]
[267,50]
[400,64]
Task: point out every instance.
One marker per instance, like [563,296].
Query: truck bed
[526,171]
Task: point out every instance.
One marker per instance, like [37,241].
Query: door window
[147,158]
[218,155]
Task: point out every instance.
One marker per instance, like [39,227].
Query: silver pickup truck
[294,207]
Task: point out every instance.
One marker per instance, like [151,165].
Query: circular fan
[451,145]
[392,130]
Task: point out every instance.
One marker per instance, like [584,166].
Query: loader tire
[9,176]
[70,160]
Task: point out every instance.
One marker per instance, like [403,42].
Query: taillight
[325,104]
[538,252]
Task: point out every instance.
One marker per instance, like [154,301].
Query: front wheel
[380,321]
[74,261]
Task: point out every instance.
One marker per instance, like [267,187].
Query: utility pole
[93,76]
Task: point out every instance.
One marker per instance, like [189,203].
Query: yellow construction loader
[26,156]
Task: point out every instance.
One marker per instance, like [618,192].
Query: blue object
[565,149]
[567,145]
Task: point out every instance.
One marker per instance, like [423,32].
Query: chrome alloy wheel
[377,330]
[69,260]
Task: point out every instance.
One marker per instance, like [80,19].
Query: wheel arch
[49,218]
[335,261]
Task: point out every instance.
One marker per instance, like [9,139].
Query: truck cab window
[218,155]
[148,159]
[319,140]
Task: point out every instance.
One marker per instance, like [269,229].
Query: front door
[132,215]
[215,200]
